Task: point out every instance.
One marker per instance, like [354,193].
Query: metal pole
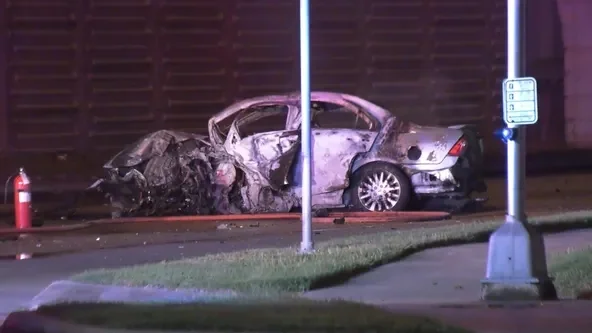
[516,151]
[516,262]
[306,246]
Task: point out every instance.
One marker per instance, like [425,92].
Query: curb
[64,291]
[31,322]
[350,218]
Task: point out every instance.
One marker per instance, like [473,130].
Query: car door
[260,143]
[339,134]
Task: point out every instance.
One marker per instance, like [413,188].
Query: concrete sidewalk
[436,276]
[444,283]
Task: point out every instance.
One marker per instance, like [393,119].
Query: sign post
[306,246]
[516,263]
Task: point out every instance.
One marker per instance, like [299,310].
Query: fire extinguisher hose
[6,186]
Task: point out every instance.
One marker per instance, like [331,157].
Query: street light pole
[516,263]
[306,246]
[516,148]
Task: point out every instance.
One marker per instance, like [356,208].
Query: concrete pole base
[306,248]
[516,265]
[519,291]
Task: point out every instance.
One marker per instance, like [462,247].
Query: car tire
[391,183]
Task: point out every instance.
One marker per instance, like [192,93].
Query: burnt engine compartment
[180,181]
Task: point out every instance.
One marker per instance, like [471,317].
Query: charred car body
[364,158]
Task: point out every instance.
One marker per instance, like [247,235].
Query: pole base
[306,248]
[516,265]
[518,291]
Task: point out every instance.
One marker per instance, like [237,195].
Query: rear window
[334,116]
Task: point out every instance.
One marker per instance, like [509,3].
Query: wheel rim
[379,191]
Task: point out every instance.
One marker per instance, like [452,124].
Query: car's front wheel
[380,187]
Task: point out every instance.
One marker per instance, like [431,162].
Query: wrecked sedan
[364,158]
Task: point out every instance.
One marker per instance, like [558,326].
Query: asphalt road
[544,195]
[21,280]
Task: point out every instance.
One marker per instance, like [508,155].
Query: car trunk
[473,153]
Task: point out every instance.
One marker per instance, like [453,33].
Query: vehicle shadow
[458,207]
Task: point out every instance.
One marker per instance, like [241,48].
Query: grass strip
[274,271]
[290,315]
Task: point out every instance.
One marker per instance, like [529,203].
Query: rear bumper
[459,180]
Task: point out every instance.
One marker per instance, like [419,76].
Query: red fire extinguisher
[22,201]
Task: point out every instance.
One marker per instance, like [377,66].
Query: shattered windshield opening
[223,127]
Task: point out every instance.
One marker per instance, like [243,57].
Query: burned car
[364,158]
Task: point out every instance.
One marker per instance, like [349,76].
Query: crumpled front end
[166,173]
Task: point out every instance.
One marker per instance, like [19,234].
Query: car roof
[376,111]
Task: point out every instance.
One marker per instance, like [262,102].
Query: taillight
[458,147]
